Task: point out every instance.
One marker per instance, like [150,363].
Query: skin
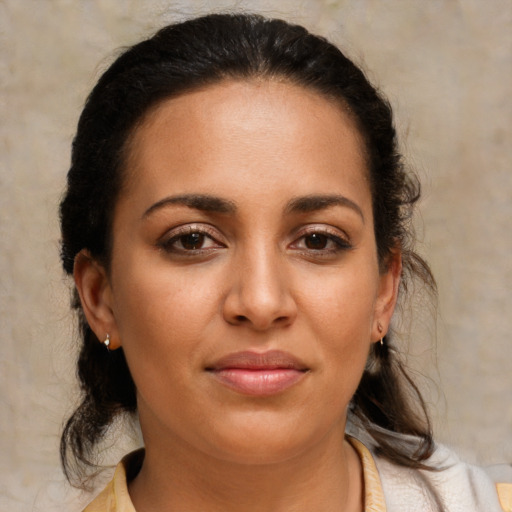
[263,275]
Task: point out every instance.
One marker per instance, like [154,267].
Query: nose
[259,293]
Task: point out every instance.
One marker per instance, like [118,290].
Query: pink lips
[258,374]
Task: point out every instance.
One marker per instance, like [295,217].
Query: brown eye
[192,241]
[316,241]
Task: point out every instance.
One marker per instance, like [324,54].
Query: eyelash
[168,242]
[341,243]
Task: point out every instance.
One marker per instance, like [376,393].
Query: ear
[95,292]
[389,282]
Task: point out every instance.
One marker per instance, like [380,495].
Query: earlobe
[95,293]
[388,295]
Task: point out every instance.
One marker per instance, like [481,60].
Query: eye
[321,241]
[316,241]
[190,240]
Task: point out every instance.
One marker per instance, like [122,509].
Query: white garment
[458,487]
[455,487]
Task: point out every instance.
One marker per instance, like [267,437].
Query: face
[244,285]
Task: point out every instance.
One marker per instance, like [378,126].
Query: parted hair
[194,54]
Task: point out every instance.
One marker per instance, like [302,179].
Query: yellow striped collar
[373,495]
[115,497]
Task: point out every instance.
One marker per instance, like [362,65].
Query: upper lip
[250,360]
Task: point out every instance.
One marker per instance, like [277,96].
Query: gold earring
[106,341]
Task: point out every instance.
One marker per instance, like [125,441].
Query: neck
[327,477]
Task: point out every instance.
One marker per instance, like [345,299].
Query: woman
[236,222]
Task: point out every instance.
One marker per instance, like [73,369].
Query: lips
[258,374]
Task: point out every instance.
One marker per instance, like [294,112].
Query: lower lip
[259,382]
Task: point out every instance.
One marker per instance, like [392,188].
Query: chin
[266,441]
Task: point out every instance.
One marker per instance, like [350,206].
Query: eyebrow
[201,202]
[208,203]
[307,204]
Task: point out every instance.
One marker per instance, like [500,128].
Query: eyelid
[323,229]
[335,235]
[186,229]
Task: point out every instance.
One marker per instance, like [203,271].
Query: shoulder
[105,501]
[452,487]
[502,475]
[115,496]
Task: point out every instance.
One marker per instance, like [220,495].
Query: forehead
[242,131]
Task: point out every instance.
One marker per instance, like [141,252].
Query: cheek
[339,313]
[342,302]
[161,313]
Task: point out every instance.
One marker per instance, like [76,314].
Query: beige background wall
[446,67]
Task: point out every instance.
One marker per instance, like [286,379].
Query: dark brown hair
[197,53]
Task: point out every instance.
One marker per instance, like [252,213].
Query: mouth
[258,374]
